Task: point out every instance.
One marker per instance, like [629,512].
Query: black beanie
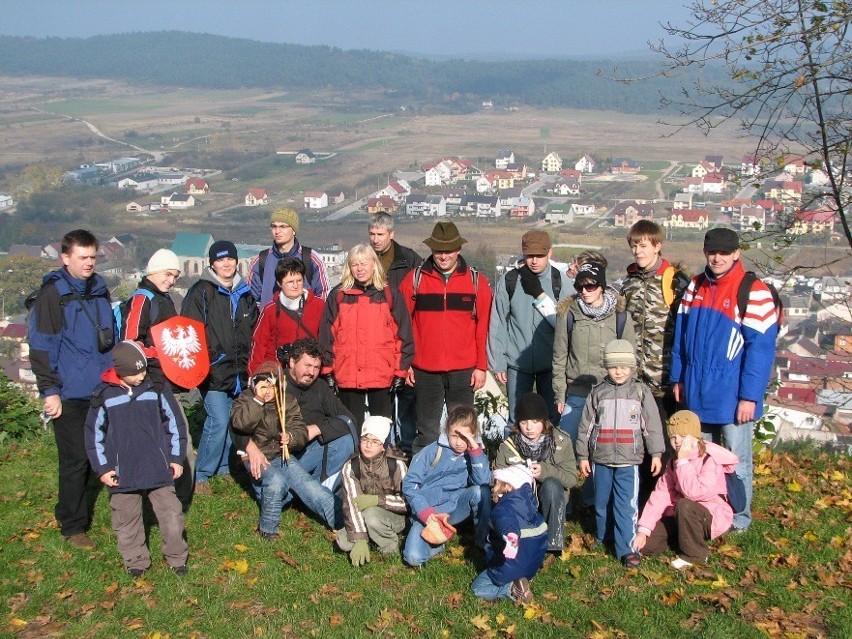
[531,406]
[128,358]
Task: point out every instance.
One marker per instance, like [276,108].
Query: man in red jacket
[450,306]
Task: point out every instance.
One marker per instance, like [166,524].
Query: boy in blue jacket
[136,445]
[447,482]
[520,538]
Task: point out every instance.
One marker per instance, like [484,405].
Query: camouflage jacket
[653,321]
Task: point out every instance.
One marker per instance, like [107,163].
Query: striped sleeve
[760,313]
[138,321]
[395,502]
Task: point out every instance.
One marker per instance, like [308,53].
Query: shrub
[20,413]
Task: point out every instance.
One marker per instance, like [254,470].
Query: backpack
[620,321]
[356,466]
[736,492]
[512,282]
[745,290]
[120,310]
[474,276]
[674,283]
[306,260]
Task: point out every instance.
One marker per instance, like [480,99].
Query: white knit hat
[516,476]
[377,426]
[163,260]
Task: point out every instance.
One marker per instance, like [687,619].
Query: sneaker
[81,541]
[268,536]
[632,560]
[135,572]
[202,489]
[680,564]
[520,592]
[181,571]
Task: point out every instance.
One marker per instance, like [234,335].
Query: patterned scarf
[539,450]
[602,311]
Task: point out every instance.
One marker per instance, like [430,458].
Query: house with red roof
[688,219]
[256,197]
[197,186]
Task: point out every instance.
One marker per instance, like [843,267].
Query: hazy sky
[452,27]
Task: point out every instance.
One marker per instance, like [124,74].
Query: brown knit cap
[684,422]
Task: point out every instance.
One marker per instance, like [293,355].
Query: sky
[470,28]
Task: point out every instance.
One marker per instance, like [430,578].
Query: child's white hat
[377,426]
[619,352]
[516,476]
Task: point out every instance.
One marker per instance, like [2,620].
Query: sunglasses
[587,287]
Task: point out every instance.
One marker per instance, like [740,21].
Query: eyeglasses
[294,283]
[371,441]
[279,227]
[587,287]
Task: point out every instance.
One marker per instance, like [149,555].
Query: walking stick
[280,390]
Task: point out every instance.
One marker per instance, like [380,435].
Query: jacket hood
[209,276]
[96,282]
[722,456]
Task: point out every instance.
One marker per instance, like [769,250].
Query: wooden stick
[280,390]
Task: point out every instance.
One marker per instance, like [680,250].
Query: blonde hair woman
[366,336]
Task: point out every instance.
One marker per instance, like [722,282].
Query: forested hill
[210,61]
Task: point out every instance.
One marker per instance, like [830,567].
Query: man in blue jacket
[722,361]
[71,330]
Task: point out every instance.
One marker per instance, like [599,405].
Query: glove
[511,549]
[332,383]
[363,502]
[360,553]
[530,282]
[397,385]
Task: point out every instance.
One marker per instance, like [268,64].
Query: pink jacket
[699,478]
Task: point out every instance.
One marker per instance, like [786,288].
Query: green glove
[363,502]
[360,553]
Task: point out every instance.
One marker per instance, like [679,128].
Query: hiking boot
[632,560]
[520,592]
[181,571]
[268,536]
[202,489]
[81,541]
[135,572]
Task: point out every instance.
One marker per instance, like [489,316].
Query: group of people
[309,386]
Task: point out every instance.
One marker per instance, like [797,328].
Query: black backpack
[512,282]
[306,260]
[745,290]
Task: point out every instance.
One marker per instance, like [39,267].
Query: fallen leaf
[240,548]
[481,622]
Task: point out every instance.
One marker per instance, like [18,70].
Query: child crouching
[689,504]
[519,538]
[373,505]
[448,481]
[136,445]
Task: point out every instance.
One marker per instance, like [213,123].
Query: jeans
[214,447]
[519,383]
[616,505]
[569,424]
[73,510]
[738,439]
[406,418]
[306,476]
[551,498]
[474,501]
[433,391]
[484,588]
[275,485]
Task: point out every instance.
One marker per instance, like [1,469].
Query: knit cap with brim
[163,260]
[684,422]
[516,476]
[128,359]
[619,352]
[286,216]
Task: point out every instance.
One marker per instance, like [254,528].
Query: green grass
[790,573]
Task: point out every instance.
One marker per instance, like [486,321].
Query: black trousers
[433,390]
[379,399]
[74,508]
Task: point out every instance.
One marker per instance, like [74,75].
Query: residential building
[627,213]
[688,218]
[750,165]
[178,200]
[6,201]
[256,197]
[305,156]
[582,209]
[316,199]
[382,204]
[504,158]
[140,182]
[551,163]
[682,201]
[821,220]
[625,166]
[423,205]
[585,164]
[558,213]
[197,186]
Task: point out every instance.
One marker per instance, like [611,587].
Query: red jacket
[278,326]
[448,334]
[366,333]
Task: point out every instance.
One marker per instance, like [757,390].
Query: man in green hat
[450,306]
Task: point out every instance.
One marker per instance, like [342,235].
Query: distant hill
[209,61]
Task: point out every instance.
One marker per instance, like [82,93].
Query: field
[789,577]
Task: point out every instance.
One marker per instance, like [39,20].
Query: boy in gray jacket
[620,421]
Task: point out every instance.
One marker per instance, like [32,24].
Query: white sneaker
[680,564]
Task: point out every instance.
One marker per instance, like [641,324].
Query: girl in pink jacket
[689,504]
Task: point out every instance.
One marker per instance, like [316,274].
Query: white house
[559,214]
[426,205]
[581,209]
[256,197]
[504,158]
[551,163]
[178,200]
[432,177]
[316,199]
[585,164]
[139,182]
[305,157]
[6,201]
[483,184]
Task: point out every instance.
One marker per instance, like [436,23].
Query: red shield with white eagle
[182,350]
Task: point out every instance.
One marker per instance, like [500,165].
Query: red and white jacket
[278,326]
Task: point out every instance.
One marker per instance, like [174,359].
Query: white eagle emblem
[181,344]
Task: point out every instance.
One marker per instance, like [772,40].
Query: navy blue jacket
[517,512]
[136,432]
[63,338]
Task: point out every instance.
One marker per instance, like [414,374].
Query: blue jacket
[264,286]
[63,338]
[719,356]
[517,512]
[136,432]
[435,480]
